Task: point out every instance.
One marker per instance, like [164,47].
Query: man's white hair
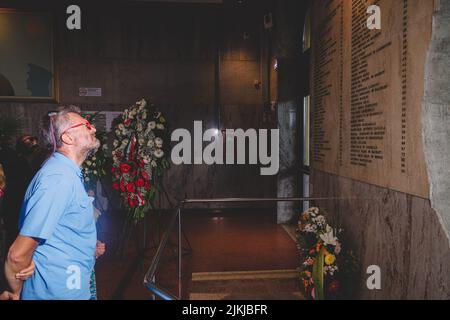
[55,122]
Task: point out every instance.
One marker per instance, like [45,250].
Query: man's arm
[19,257]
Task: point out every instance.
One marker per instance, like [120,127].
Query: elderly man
[57,227]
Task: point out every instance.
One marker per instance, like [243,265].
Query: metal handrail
[150,276]
[187,201]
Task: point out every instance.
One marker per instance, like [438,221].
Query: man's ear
[67,139]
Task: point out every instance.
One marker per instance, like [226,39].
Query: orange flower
[305,216]
[318,246]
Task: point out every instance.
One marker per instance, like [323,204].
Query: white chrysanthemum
[151,125]
[320,220]
[159,153]
[121,127]
[139,127]
[141,103]
[158,142]
[88,163]
[310,228]
[150,143]
[117,132]
[141,142]
[125,142]
[160,126]
[315,210]
[115,143]
[144,115]
[154,164]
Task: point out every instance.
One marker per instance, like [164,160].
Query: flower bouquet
[140,156]
[326,266]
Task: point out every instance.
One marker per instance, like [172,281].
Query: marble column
[436,115]
[287,174]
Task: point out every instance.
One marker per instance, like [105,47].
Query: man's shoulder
[54,166]
[52,174]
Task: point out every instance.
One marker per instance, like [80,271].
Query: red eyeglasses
[88,125]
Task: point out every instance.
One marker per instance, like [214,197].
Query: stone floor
[234,241]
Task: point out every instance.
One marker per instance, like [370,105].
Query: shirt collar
[69,162]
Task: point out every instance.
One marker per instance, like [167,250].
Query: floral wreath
[139,156]
[327,265]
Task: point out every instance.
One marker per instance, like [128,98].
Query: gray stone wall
[436,115]
[398,232]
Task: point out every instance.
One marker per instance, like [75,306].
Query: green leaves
[318,274]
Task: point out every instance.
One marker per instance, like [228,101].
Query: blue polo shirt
[59,213]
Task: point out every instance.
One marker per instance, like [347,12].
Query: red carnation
[135,202]
[141,163]
[130,187]
[127,122]
[115,185]
[125,167]
[131,202]
[116,171]
[122,185]
[145,175]
[140,182]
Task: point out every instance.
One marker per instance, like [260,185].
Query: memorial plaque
[366,91]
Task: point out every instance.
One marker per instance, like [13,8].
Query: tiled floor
[221,242]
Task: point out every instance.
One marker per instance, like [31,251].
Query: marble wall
[405,235]
[396,231]
[168,53]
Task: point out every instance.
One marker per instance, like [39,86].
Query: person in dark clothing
[27,148]
[24,274]
[18,174]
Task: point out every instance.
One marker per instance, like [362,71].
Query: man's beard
[92,149]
